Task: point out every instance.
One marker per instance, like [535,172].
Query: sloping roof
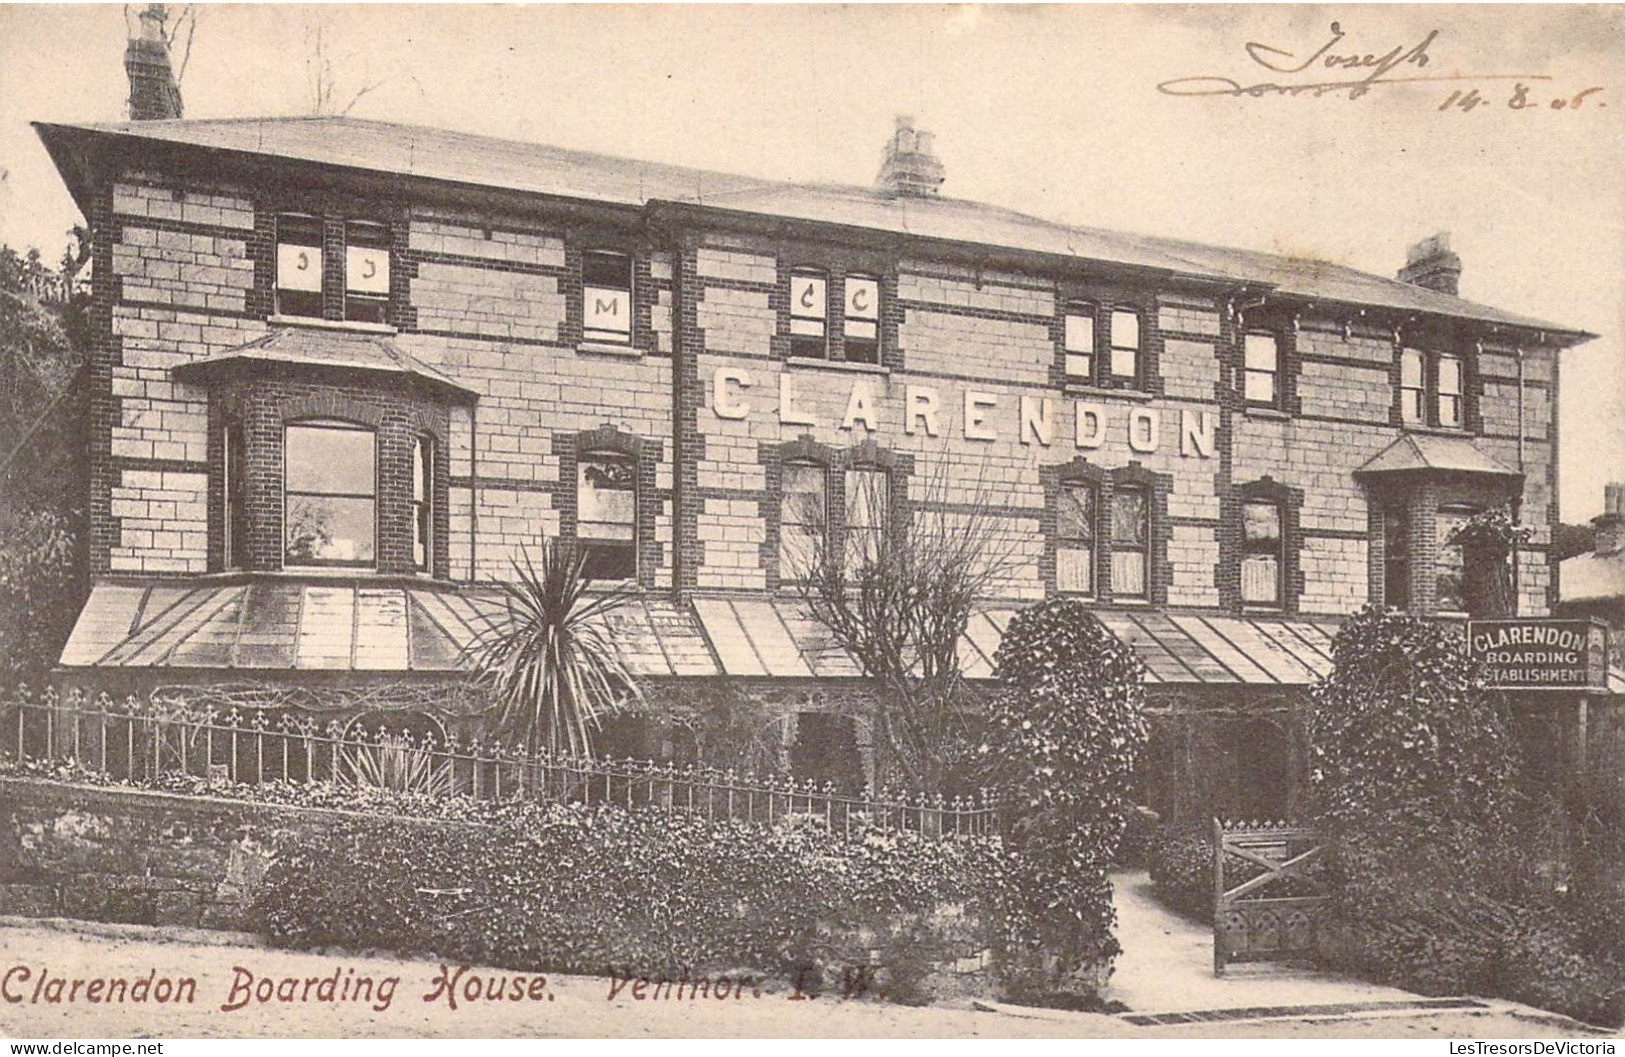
[1592,577]
[1428,452]
[275,624]
[318,347]
[483,161]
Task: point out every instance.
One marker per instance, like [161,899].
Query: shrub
[1064,735]
[651,892]
[1181,866]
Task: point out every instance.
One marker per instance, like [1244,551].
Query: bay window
[329,494]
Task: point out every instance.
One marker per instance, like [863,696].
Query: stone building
[347,371]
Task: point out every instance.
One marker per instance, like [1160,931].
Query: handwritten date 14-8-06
[1520,97]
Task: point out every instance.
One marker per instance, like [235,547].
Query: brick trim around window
[772,457]
[1079,470]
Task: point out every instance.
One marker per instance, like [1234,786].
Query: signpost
[1536,653]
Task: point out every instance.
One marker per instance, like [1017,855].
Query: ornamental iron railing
[154,743]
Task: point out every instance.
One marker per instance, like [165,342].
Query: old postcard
[812,521]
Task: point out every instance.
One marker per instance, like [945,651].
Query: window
[1131,542]
[1412,387]
[1261,386]
[606,297]
[1431,392]
[809,307]
[1075,540]
[1396,559]
[330,494]
[366,272]
[868,509]
[862,319]
[1448,403]
[606,514]
[802,519]
[1125,350]
[423,503]
[1261,553]
[299,265]
[234,550]
[1079,342]
[1448,570]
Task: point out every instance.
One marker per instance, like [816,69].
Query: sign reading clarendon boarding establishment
[1536,654]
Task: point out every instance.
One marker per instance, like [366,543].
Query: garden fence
[149,743]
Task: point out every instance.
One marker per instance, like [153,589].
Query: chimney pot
[1432,264]
[909,167]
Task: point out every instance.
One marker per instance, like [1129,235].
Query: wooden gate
[1269,914]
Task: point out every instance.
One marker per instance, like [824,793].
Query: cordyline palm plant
[549,660]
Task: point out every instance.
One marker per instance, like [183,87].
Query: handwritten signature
[1393,66]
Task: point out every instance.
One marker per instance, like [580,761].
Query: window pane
[1128,517]
[328,529]
[610,561]
[1080,332]
[1260,388]
[1125,363]
[1076,514]
[606,296]
[1449,375]
[808,297]
[1260,579]
[1128,574]
[1449,410]
[1410,369]
[329,460]
[866,499]
[1125,330]
[1261,352]
[1074,570]
[1449,558]
[299,268]
[606,498]
[605,269]
[1079,365]
[798,549]
[1396,559]
[366,270]
[1261,523]
[803,490]
[862,298]
[422,500]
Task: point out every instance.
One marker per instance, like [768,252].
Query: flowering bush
[1065,734]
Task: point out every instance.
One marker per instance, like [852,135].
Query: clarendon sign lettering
[1038,420]
[1541,654]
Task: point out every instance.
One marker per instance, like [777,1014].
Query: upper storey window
[1102,345]
[862,319]
[1262,384]
[299,265]
[1079,341]
[330,486]
[1125,350]
[366,271]
[606,297]
[809,312]
[1431,389]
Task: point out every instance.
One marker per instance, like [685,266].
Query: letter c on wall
[723,403]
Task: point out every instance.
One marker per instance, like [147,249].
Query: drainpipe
[473,493]
[1517,502]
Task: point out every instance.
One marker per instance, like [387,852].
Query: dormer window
[299,265]
[606,297]
[809,311]
[330,485]
[366,272]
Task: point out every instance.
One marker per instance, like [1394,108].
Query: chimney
[1433,264]
[908,167]
[154,95]
[1610,524]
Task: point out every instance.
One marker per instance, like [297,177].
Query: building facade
[347,372]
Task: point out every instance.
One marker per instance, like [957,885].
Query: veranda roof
[267,625]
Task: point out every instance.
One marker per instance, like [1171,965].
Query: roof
[1592,577]
[321,347]
[488,162]
[1428,452]
[279,624]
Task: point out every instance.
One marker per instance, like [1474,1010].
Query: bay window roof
[1420,453]
[321,349]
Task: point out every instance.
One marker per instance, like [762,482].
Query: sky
[1051,110]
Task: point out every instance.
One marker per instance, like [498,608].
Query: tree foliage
[549,660]
[1065,732]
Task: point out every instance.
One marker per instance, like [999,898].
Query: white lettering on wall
[860,406]
[977,405]
[1091,425]
[1197,433]
[1037,420]
[789,415]
[923,402]
[723,403]
[1143,427]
